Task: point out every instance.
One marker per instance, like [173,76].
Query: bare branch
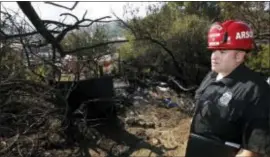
[99,20]
[37,45]
[94,46]
[126,25]
[27,54]
[16,14]
[5,13]
[64,19]
[69,14]
[2,33]
[47,22]
[170,52]
[61,6]
[28,60]
[7,37]
[65,31]
[39,25]
[76,26]
[29,11]
[84,14]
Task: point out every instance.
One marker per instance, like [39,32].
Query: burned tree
[34,114]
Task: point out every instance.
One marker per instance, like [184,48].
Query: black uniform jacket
[234,109]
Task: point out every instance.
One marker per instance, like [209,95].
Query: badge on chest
[225,99]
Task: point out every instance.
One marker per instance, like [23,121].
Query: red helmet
[230,35]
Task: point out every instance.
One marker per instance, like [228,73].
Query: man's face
[225,61]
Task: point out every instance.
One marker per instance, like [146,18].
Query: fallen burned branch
[180,86]
[12,141]
[27,109]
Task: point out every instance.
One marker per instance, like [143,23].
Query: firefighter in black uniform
[232,102]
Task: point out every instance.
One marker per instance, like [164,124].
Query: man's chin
[214,69]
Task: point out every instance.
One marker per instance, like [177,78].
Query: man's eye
[222,52]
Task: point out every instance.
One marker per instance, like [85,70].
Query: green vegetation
[176,35]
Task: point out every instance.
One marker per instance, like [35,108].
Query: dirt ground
[171,132]
[148,131]
[144,131]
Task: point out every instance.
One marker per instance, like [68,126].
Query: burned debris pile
[41,119]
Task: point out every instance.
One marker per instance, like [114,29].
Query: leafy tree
[261,60]
[209,10]
[172,39]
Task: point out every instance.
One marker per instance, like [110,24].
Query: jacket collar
[235,75]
